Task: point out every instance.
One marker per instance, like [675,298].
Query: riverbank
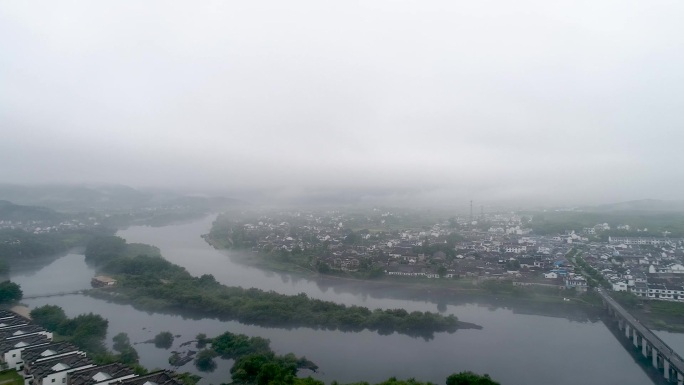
[657,316]
[654,317]
[22,311]
[443,287]
[437,287]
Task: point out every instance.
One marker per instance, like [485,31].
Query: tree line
[20,244]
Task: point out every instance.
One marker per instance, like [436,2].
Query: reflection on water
[516,346]
[518,349]
[66,273]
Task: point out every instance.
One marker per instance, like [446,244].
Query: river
[518,345]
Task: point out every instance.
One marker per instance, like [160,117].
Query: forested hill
[20,244]
[643,205]
[20,213]
[106,197]
[650,223]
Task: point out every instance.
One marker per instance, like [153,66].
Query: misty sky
[531,101]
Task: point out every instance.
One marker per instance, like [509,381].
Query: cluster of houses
[30,350]
[649,267]
[46,226]
[505,249]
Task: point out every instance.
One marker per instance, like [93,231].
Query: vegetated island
[155,284]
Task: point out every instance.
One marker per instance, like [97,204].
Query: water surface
[537,344]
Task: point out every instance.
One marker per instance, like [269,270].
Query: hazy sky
[523,100]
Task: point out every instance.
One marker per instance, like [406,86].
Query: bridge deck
[675,360]
[61,293]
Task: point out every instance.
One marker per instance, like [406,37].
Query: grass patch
[667,308]
[11,377]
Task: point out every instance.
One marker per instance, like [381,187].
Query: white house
[54,371]
[576,281]
[12,347]
[620,286]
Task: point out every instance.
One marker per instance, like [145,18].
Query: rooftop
[99,374]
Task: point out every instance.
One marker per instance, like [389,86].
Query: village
[39,359]
[46,226]
[490,247]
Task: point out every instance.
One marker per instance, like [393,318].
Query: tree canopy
[10,292]
[86,331]
[163,340]
[470,378]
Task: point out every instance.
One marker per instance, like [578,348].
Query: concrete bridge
[664,359]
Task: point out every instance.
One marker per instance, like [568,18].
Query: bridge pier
[662,357]
[635,338]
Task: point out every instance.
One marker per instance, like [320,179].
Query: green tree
[104,248]
[470,378]
[512,265]
[86,331]
[174,359]
[10,292]
[248,368]
[48,316]
[163,340]
[230,345]
[187,378]
[121,341]
[202,340]
[204,360]
[129,355]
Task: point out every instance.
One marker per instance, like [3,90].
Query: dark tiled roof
[30,355]
[90,376]
[6,313]
[9,344]
[158,378]
[15,321]
[42,368]
[20,330]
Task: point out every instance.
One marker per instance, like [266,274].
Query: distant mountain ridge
[12,212]
[646,205]
[80,198]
